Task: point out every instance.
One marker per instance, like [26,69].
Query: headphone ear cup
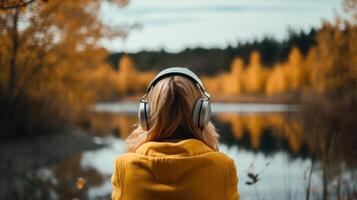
[205,115]
[144,114]
[201,113]
[195,112]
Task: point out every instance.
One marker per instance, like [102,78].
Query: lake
[264,139]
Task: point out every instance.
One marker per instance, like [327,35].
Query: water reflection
[282,168]
[252,139]
[263,132]
[257,138]
[267,133]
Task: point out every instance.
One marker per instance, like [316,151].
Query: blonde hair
[171,103]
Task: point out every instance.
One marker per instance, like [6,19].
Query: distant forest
[215,60]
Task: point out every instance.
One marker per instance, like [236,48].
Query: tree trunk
[14,51]
[12,73]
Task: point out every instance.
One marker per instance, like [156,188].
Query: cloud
[166,21]
[175,25]
[212,8]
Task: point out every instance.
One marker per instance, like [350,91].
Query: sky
[175,25]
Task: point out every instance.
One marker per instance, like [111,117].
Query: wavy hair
[171,103]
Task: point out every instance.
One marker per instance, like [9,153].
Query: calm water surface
[265,138]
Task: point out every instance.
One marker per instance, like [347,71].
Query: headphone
[201,111]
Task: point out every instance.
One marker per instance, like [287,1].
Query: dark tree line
[215,60]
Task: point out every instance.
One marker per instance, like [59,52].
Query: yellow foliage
[126,74]
[129,79]
[51,66]
[333,60]
[236,76]
[213,84]
[102,81]
[277,81]
[295,69]
[255,75]
[104,124]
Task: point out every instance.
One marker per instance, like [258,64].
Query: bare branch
[12,4]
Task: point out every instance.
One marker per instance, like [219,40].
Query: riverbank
[25,162]
[23,154]
[286,98]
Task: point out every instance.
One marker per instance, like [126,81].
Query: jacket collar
[183,148]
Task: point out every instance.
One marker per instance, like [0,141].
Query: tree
[46,47]
[236,76]
[276,81]
[14,4]
[335,67]
[255,75]
[126,74]
[295,69]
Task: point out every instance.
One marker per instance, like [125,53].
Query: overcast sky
[175,25]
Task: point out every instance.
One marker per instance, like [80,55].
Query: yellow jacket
[186,170]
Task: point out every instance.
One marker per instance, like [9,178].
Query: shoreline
[286,98]
[18,155]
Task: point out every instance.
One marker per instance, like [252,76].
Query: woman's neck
[181,133]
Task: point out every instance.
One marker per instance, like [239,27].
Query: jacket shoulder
[217,157]
[222,157]
[126,157]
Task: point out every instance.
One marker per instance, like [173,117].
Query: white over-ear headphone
[201,111]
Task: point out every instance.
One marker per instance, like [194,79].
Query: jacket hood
[171,161]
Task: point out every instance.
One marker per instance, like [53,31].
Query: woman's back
[187,169]
[176,106]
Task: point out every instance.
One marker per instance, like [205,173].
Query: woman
[173,152]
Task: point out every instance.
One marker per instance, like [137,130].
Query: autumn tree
[45,48]
[295,69]
[336,61]
[277,81]
[236,76]
[255,74]
[126,75]
[329,112]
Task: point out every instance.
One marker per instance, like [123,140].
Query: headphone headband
[201,111]
[181,71]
